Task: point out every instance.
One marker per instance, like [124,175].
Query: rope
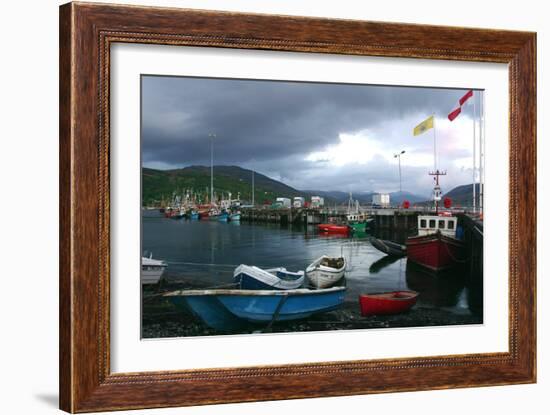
[462,261]
[201,264]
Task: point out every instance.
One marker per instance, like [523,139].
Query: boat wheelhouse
[430,224]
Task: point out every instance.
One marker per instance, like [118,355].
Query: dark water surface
[205,253]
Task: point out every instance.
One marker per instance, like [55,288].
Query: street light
[212,136]
[398,156]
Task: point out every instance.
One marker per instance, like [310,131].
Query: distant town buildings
[299,202]
[283,201]
[317,201]
[381,199]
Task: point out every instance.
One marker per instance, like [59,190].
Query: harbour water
[203,254]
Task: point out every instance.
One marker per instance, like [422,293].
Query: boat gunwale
[252,293]
[386,296]
[316,265]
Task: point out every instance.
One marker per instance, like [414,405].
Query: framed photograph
[259,207]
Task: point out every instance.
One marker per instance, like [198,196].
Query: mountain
[462,195]
[397,198]
[364,198]
[161,185]
[158,185]
[333,196]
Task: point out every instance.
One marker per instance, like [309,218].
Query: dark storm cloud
[273,126]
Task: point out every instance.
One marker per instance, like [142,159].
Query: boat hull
[435,252]
[389,247]
[387,303]
[151,276]
[323,279]
[321,276]
[254,278]
[226,310]
[331,228]
[358,226]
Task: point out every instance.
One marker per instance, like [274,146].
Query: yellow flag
[424,126]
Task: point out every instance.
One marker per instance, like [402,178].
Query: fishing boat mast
[437,189]
[253,188]
[436,172]
[212,136]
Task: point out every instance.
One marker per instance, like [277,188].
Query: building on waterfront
[284,202]
[299,202]
[381,199]
[317,201]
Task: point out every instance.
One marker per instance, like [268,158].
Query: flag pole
[481,151]
[435,152]
[474,155]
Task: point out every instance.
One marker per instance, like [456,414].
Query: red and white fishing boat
[436,246]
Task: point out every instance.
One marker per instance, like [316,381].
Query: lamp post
[212,136]
[398,156]
[253,201]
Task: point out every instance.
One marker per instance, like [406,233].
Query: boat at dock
[436,247]
[222,216]
[394,302]
[435,251]
[334,228]
[389,247]
[326,271]
[253,278]
[234,217]
[227,309]
[152,270]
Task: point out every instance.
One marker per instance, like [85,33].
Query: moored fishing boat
[436,249]
[394,302]
[333,228]
[227,310]
[236,216]
[152,270]
[326,271]
[389,247]
[254,278]
[222,216]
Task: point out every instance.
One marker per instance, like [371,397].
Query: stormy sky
[311,136]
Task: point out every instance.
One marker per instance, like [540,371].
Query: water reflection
[205,253]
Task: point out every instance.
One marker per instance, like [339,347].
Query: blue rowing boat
[228,310]
[253,278]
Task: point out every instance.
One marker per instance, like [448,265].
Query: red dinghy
[333,228]
[387,303]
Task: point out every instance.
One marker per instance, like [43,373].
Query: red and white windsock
[454,113]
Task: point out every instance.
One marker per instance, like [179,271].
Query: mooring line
[201,264]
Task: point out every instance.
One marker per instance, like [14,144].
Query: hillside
[462,195]
[364,198]
[159,185]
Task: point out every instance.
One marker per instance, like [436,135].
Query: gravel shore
[161,319]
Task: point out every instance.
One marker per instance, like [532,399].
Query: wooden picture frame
[86,33]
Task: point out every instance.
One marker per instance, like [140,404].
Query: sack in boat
[336,263]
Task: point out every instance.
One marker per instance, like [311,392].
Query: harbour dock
[385,218]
